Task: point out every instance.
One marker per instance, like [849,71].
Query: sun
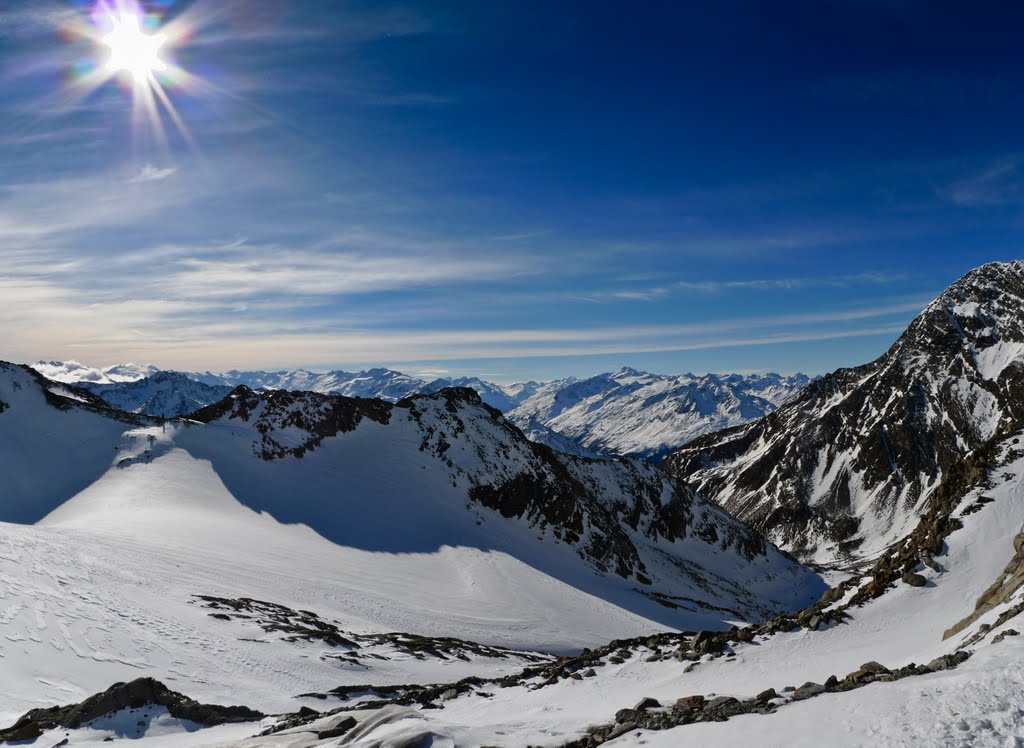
[132,50]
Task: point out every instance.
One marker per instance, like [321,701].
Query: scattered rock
[647,703]
[1002,635]
[625,715]
[807,690]
[913,579]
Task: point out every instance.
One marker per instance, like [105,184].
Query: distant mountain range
[624,412]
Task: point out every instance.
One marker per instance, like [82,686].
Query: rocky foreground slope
[847,467]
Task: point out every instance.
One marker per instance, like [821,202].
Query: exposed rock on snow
[137,694]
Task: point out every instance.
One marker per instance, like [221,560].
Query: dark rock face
[138,693]
[848,465]
[320,416]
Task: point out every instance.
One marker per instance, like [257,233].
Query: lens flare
[134,51]
[135,48]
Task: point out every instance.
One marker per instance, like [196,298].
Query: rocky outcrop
[138,693]
[278,412]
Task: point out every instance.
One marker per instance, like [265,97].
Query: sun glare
[132,50]
[136,46]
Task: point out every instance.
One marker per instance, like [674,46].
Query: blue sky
[508,189]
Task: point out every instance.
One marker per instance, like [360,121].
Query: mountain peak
[840,472]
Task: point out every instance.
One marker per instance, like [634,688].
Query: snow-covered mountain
[385,384]
[846,468]
[432,516]
[72,372]
[164,393]
[624,518]
[495,395]
[255,555]
[638,413]
[626,412]
[158,571]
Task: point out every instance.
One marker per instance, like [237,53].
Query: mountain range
[372,572]
[627,412]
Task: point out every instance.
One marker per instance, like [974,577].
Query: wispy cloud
[151,173]
[999,184]
[652,293]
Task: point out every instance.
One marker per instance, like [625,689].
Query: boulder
[721,701]
[696,703]
[808,689]
[913,579]
[620,729]
[338,729]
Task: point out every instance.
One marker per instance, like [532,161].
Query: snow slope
[52,445]
[975,704]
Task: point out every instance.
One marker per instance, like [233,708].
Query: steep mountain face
[165,393]
[621,517]
[637,413]
[846,468]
